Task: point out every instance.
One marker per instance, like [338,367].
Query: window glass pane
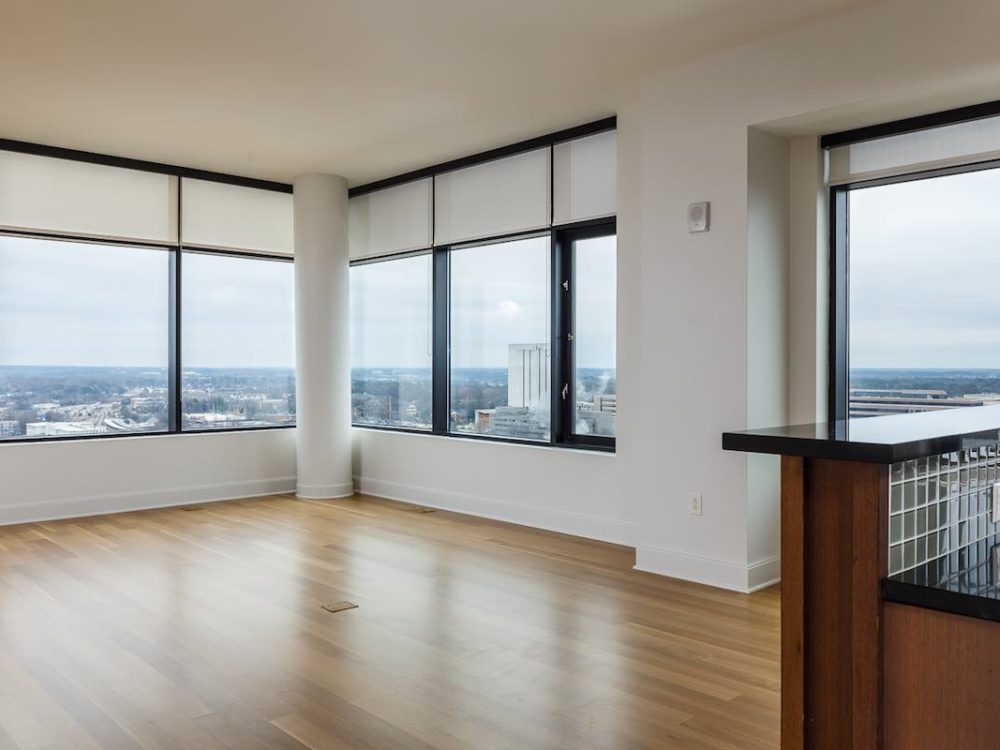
[83,338]
[500,362]
[594,335]
[237,342]
[392,343]
[924,307]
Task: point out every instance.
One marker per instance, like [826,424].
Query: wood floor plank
[168,629]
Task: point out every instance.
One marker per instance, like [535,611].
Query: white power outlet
[694,503]
[996,503]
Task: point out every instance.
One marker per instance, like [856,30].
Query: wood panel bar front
[834,516]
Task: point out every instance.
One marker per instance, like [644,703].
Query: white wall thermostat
[698,217]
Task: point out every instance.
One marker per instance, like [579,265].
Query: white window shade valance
[235,217]
[46,194]
[393,220]
[949,145]
[502,196]
[585,178]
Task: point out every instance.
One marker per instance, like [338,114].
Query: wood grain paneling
[942,680]
[833,560]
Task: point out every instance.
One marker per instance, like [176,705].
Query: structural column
[322,338]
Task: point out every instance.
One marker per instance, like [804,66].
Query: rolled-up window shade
[498,197]
[234,217]
[585,178]
[44,194]
[949,145]
[393,220]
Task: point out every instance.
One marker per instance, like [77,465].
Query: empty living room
[456,374]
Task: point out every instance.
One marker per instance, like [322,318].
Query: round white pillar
[322,338]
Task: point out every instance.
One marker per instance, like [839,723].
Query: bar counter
[890,565]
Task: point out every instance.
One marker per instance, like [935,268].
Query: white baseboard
[98,505]
[562,521]
[324,491]
[763,573]
[708,570]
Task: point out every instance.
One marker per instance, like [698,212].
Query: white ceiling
[363,88]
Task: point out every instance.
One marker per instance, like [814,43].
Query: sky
[70,303]
[925,273]
[78,304]
[499,296]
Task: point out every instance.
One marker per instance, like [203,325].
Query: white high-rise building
[528,376]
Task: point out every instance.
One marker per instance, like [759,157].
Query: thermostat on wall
[698,217]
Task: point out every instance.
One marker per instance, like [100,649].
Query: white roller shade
[498,197]
[393,220]
[585,178]
[950,145]
[217,215]
[40,193]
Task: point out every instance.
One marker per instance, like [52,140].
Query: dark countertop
[883,440]
[966,582]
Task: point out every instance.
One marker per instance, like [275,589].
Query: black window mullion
[440,407]
[838,323]
[561,322]
[174,344]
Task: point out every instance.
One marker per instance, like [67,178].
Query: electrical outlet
[694,503]
[996,503]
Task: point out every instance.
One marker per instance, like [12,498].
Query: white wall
[577,492]
[767,338]
[808,293]
[696,381]
[721,330]
[85,477]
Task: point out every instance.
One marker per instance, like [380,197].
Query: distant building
[518,422]
[606,402]
[877,402]
[528,373]
[9,428]
[62,429]
[597,417]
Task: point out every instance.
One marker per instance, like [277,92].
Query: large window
[511,339]
[135,299]
[238,343]
[483,294]
[83,338]
[392,342]
[914,297]
[500,331]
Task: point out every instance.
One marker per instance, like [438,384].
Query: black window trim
[838,353]
[176,251]
[561,240]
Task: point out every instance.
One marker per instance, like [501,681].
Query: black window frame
[174,280]
[562,418]
[176,351]
[838,349]
[560,248]
[434,338]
